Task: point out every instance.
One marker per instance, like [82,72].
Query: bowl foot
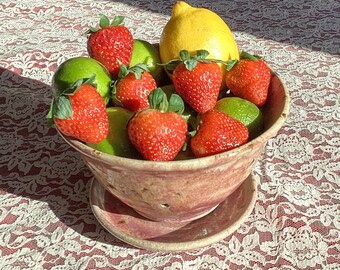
[127,225]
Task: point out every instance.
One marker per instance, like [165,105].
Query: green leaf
[113,95]
[184,55]
[176,104]
[117,20]
[49,116]
[158,100]
[142,66]
[171,65]
[190,64]
[138,70]
[185,145]
[50,122]
[91,30]
[231,63]
[50,112]
[192,133]
[62,107]
[104,21]
[245,55]
[123,71]
[91,80]
[117,101]
[76,85]
[202,54]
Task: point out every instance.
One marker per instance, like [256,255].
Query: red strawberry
[111,43]
[133,87]
[159,132]
[249,78]
[197,80]
[217,132]
[80,112]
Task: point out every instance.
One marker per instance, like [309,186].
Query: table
[45,218]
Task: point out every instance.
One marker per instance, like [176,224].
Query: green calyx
[61,105]
[243,56]
[137,70]
[190,61]
[159,101]
[105,22]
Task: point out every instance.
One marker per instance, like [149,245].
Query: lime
[117,142]
[77,68]
[244,111]
[146,53]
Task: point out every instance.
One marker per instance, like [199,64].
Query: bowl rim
[179,165]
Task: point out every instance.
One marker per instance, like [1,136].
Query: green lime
[244,111]
[117,142]
[78,68]
[146,53]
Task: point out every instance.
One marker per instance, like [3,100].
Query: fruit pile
[194,95]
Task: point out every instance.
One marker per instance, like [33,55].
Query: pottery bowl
[184,190]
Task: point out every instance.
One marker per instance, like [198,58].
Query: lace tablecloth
[45,217]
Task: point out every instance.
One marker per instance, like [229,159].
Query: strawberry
[217,132]
[133,87]
[80,112]
[159,132]
[111,42]
[197,80]
[249,78]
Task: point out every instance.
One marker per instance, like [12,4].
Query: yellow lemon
[192,29]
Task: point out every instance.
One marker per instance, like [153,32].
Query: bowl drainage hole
[165,205]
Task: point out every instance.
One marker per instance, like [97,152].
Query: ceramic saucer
[124,223]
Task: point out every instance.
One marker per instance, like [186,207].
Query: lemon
[117,142]
[78,68]
[244,111]
[192,29]
[146,53]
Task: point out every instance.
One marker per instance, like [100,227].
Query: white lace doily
[45,218]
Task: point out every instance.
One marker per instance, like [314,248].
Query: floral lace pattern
[45,218]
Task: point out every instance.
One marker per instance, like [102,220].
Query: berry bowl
[184,190]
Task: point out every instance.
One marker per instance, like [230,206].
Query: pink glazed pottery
[184,190]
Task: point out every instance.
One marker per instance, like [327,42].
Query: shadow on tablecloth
[313,25]
[43,182]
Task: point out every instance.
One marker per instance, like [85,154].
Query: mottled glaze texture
[185,190]
[124,223]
